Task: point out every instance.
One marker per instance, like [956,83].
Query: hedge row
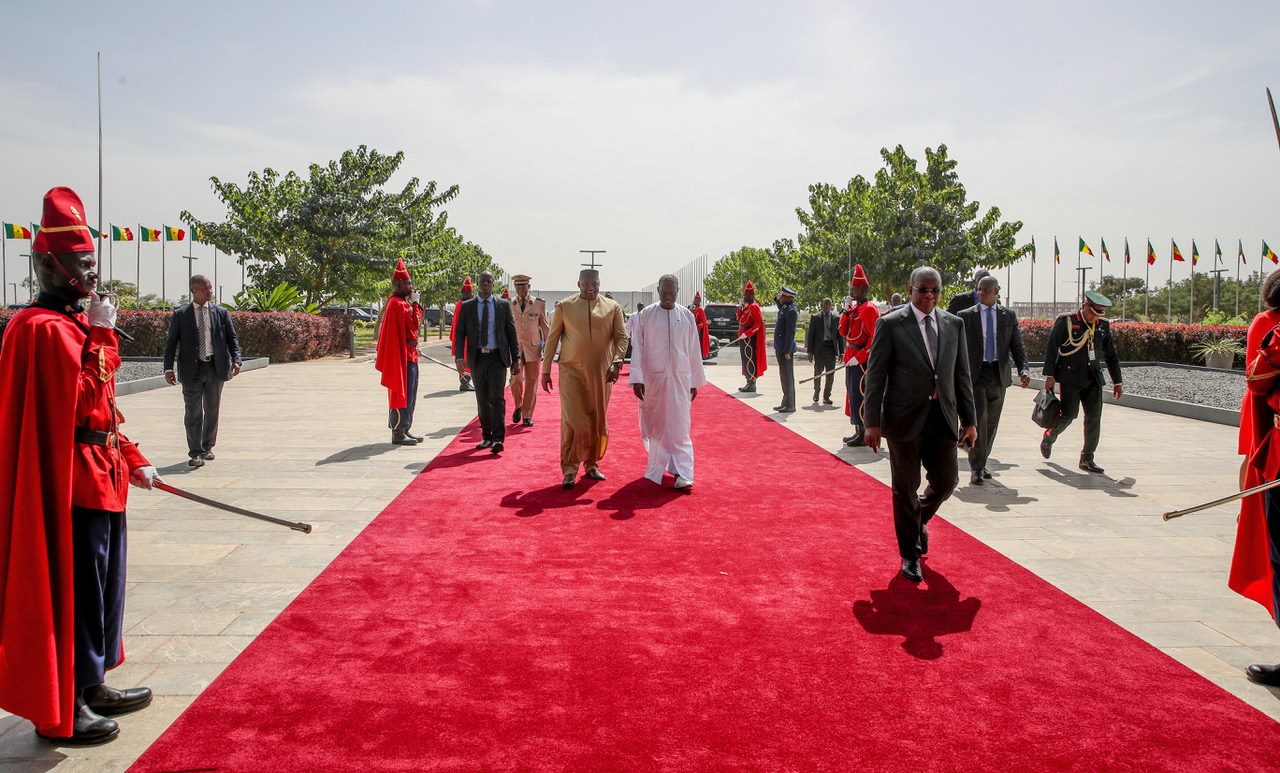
[282,336]
[1141,341]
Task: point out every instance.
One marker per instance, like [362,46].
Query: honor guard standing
[858,326]
[1078,344]
[459,361]
[397,358]
[65,471]
[700,318]
[531,330]
[751,336]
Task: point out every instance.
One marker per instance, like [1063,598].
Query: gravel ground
[1203,387]
[134,371]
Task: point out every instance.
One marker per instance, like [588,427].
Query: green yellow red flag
[1085,248]
[1177,253]
[172,234]
[1126,251]
[1057,254]
[149,234]
[1240,244]
[1105,253]
[1268,254]
[1151,254]
[121,234]
[15,231]
[1195,253]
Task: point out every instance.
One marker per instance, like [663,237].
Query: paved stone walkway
[306,441]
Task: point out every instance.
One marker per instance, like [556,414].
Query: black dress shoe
[1088,466]
[827,401]
[924,539]
[815,399]
[413,436]
[515,417]
[749,388]
[986,473]
[595,474]
[975,479]
[786,410]
[207,456]
[778,407]
[483,444]
[401,439]
[195,461]
[911,569]
[1046,444]
[90,728]
[1263,673]
[567,482]
[496,448]
[110,702]
[465,386]
[528,422]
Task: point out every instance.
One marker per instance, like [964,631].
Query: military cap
[1098,299]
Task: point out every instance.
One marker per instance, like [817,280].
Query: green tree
[730,274]
[336,233]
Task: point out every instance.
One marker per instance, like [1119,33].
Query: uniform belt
[94,437]
[488,351]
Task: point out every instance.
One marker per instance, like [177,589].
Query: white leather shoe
[683,483]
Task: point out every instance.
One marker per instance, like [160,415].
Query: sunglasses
[928,290]
[1100,311]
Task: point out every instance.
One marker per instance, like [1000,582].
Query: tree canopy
[336,233]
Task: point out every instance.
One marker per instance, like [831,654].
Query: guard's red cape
[751,324]
[40,363]
[1251,561]
[700,317]
[396,336]
[858,326]
[1259,327]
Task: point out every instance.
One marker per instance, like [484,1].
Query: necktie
[990,350]
[202,325]
[484,322]
[931,336]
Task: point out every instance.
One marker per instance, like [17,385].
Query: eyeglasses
[1100,311]
[929,290]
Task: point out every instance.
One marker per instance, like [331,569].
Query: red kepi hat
[401,271]
[859,277]
[506,293]
[62,224]
[750,288]
[697,297]
[466,285]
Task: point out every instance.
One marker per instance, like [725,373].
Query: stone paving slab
[307,441]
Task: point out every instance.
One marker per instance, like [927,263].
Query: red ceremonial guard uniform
[65,470]
[752,334]
[397,358]
[700,319]
[1259,327]
[1255,563]
[459,358]
[858,326]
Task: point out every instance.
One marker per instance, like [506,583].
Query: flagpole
[1146,284]
[1240,249]
[1054,313]
[215,270]
[1124,276]
[164,286]
[138,279]
[99,163]
[1191,312]
[1079,274]
[4,272]
[1100,256]
[1260,257]
[1168,312]
[1033,279]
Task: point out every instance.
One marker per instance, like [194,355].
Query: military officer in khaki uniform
[531,331]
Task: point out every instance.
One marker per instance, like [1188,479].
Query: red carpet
[489,620]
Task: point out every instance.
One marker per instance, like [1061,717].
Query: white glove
[413,296]
[846,303]
[101,312]
[144,477]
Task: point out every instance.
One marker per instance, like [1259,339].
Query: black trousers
[1091,398]
[787,375]
[988,397]
[401,419]
[1271,503]
[98,557]
[934,449]
[747,351]
[489,377]
[853,390]
[824,359]
[202,399]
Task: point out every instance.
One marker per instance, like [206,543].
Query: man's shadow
[639,494]
[1089,481]
[996,497]
[920,613]
[528,504]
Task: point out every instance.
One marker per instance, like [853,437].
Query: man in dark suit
[968,299]
[784,347]
[993,336]
[824,344]
[918,394]
[203,341]
[1073,356]
[487,335]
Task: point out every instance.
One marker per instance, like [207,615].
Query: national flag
[1195,253]
[172,234]
[1085,248]
[1217,252]
[1267,253]
[1033,249]
[197,234]
[35,229]
[95,233]
[1177,253]
[1057,255]
[15,231]
[1240,244]
[1151,254]
[149,234]
[121,234]
[1105,253]
[1126,250]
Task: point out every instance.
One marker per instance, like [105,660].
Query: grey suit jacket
[900,378]
[1008,341]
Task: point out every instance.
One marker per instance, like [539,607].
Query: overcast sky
[657,131]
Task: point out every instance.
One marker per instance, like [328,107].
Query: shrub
[1141,341]
[282,336]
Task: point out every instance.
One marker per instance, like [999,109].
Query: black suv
[722,320]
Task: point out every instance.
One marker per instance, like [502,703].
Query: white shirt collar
[920,315]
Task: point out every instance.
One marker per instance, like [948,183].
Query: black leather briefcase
[1047,409]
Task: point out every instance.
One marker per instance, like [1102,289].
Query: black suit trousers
[1090,397]
[202,398]
[824,359]
[490,380]
[934,449]
[988,398]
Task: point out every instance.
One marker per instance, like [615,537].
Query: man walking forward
[531,329]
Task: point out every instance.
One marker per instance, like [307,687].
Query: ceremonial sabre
[451,368]
[1225,500]
[305,528]
[826,373]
